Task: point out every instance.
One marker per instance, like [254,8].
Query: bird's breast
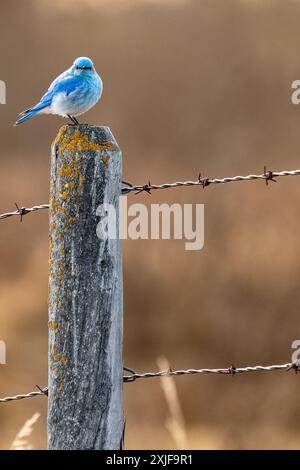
[78,101]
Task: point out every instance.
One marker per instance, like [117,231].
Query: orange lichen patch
[54,326]
[78,142]
[53,207]
[59,358]
[105,159]
[57,207]
[70,185]
[50,250]
[70,170]
[61,387]
[81,183]
[64,359]
[64,195]
[60,134]
[71,219]
[51,272]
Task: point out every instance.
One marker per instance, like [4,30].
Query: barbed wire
[133,376]
[41,391]
[21,211]
[232,370]
[267,176]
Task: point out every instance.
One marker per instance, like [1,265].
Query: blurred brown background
[189,86]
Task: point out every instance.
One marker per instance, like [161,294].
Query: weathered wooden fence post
[85,293]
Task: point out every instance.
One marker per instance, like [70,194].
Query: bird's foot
[73,119]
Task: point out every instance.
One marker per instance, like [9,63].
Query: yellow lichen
[78,142]
[64,195]
[69,171]
[54,350]
[54,326]
[64,359]
[70,185]
[105,159]
[81,183]
[60,134]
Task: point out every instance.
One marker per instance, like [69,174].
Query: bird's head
[83,65]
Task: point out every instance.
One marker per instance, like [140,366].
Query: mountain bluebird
[73,93]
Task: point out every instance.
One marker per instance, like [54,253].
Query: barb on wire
[267,176]
[21,211]
[41,391]
[127,188]
[232,370]
[133,375]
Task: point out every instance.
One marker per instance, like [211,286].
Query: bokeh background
[189,86]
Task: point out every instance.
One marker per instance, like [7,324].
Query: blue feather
[27,115]
[72,93]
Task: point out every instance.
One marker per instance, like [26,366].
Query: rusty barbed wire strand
[267,176]
[232,370]
[21,211]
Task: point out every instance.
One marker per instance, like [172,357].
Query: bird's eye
[83,68]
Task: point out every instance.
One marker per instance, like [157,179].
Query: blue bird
[73,93]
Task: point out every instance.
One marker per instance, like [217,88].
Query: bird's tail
[29,113]
[25,115]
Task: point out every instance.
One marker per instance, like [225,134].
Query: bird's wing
[63,75]
[66,85]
